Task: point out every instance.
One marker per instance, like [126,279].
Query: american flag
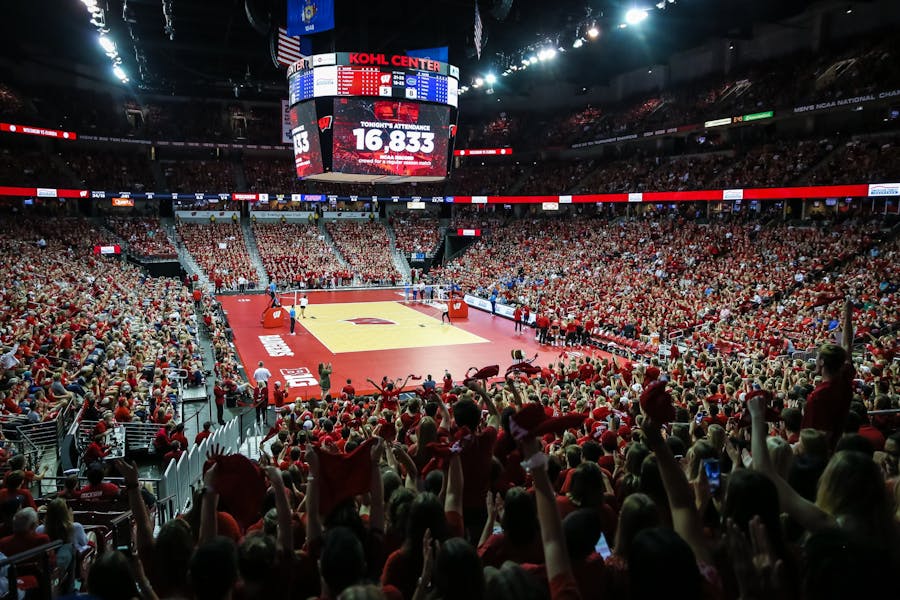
[287,48]
[478,31]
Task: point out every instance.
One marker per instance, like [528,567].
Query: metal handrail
[41,552]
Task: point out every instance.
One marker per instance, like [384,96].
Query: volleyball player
[304,302]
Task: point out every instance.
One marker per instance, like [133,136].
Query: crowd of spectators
[144,236]
[219,249]
[273,174]
[366,248]
[591,477]
[414,232]
[551,178]
[872,160]
[691,275]
[87,331]
[110,170]
[298,255]
[30,168]
[209,176]
[482,180]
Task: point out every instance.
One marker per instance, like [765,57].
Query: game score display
[372,117]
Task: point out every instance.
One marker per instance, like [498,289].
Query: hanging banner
[306,17]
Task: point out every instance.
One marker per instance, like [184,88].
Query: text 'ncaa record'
[390,137]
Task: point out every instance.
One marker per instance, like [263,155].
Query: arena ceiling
[222,44]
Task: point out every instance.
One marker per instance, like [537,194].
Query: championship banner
[306,17]
[286,122]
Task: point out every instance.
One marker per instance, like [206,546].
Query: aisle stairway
[323,231]
[184,257]
[400,262]
[253,251]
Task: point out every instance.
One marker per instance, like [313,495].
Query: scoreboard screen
[373,81]
[369,117]
[305,134]
[390,137]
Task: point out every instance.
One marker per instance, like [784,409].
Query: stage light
[593,32]
[89,3]
[532,59]
[525,61]
[547,54]
[635,16]
[578,43]
[490,78]
[107,44]
[623,25]
[661,5]
[479,81]
[120,73]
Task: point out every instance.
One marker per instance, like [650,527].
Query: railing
[51,484]
[39,559]
[180,478]
[138,435]
[36,438]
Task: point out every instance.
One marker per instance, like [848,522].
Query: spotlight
[107,44]
[490,78]
[578,43]
[593,32]
[120,73]
[661,5]
[623,25]
[525,61]
[635,16]
[479,81]
[547,54]
[532,59]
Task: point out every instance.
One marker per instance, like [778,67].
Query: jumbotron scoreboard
[380,118]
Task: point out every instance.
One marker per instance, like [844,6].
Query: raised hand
[128,471]
[759,572]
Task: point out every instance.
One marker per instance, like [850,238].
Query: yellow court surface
[366,326]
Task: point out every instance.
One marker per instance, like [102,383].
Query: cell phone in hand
[713,473]
[700,416]
[602,548]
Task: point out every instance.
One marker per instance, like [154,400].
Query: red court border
[244,314]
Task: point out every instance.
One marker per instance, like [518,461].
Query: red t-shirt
[202,436]
[22,542]
[25,495]
[476,464]
[104,491]
[828,405]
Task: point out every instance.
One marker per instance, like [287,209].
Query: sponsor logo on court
[299,377]
[275,346]
[370,321]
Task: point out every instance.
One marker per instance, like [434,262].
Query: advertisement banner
[503,310]
[884,189]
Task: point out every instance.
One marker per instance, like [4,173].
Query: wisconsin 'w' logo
[370,321]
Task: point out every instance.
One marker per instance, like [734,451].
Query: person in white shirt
[261,394]
[304,302]
[8,360]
